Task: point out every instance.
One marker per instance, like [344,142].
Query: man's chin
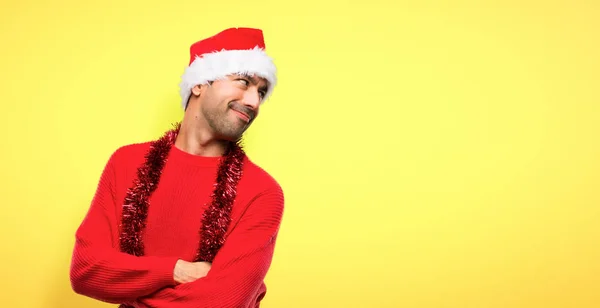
[232,137]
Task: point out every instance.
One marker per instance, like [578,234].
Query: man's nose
[252,99]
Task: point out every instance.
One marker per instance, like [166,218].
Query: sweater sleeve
[239,268]
[98,269]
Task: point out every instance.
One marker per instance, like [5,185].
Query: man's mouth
[242,115]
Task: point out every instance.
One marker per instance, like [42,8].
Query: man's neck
[197,141]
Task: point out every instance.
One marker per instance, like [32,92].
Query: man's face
[230,105]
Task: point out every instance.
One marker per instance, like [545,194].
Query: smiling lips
[245,114]
[242,115]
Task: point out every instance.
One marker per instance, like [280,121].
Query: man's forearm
[116,277]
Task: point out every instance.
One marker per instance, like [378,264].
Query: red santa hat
[231,51]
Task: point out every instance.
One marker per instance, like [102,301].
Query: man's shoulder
[259,184]
[259,176]
[133,148]
[130,153]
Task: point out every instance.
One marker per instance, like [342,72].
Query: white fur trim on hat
[218,65]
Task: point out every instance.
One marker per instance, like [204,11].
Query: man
[188,220]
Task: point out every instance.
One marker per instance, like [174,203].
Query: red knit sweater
[100,271]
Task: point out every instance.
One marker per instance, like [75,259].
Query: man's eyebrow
[249,76]
[254,80]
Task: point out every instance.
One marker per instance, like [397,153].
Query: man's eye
[244,82]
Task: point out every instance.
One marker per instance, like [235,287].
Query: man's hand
[185,272]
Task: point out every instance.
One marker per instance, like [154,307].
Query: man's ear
[196,90]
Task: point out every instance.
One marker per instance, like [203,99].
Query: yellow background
[433,154]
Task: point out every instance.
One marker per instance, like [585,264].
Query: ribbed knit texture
[99,270]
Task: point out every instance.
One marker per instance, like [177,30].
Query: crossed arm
[238,270]
[100,271]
